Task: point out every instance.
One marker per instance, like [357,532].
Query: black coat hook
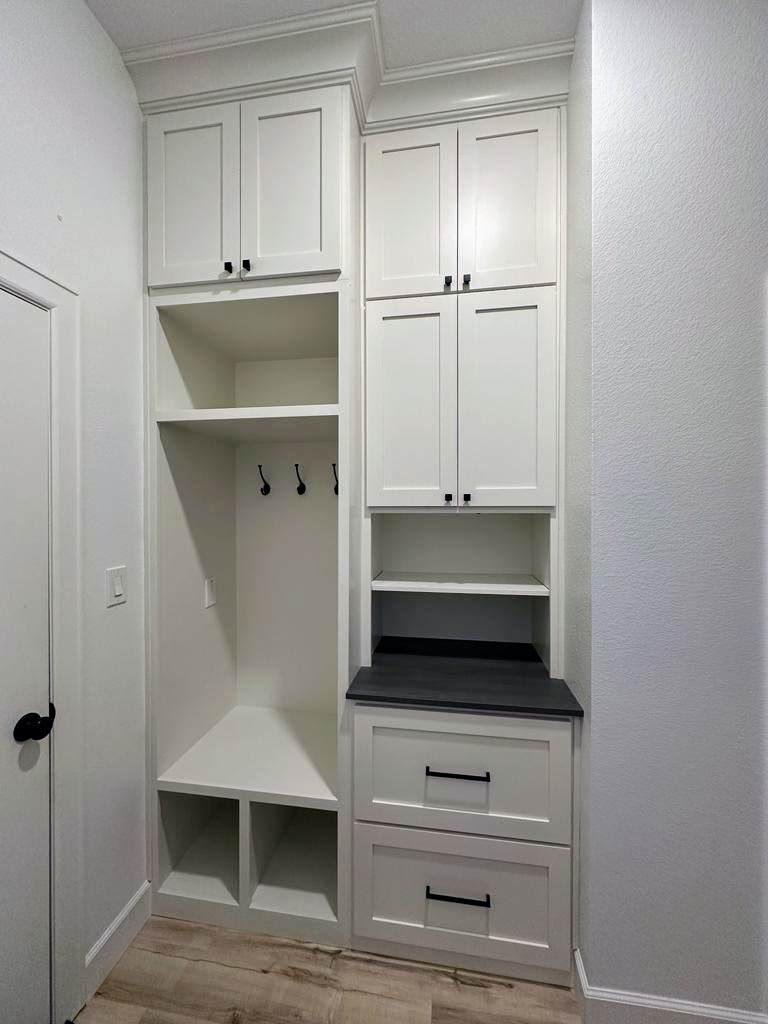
[302,488]
[265,488]
[336,478]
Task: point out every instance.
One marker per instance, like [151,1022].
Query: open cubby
[251,353]
[246,689]
[198,844]
[293,861]
[448,553]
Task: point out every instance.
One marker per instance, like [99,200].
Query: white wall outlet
[209,592]
[117,585]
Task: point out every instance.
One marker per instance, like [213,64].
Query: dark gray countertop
[452,678]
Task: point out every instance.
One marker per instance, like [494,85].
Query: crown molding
[343,76]
[496,59]
[469,113]
[350,14]
[663,1004]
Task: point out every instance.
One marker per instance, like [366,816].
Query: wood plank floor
[181,973]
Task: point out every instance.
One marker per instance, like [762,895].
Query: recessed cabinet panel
[508,200]
[411,213]
[507,777]
[291,183]
[411,368]
[492,898]
[507,397]
[193,195]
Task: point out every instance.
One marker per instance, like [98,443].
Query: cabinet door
[411,401]
[291,188]
[508,200]
[193,204]
[507,397]
[411,211]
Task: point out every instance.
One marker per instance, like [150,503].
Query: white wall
[676,854]
[70,206]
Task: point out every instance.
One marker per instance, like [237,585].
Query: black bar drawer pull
[457,775]
[442,898]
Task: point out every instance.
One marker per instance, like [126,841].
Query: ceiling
[414,31]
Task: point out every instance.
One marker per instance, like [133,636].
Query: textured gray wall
[675,848]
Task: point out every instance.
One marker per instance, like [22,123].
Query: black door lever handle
[33,726]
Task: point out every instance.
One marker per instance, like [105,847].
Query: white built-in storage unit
[254,402]
[314,494]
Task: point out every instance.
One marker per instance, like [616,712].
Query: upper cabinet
[245,190]
[291,184]
[411,212]
[193,204]
[464,207]
[508,200]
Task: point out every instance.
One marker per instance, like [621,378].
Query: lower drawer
[491,898]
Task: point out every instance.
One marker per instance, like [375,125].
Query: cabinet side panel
[195,541]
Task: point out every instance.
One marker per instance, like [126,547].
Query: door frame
[67,763]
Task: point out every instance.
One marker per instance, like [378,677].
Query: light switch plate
[117,585]
[209,592]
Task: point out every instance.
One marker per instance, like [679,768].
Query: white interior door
[411,401]
[507,397]
[24,660]
[291,183]
[508,200]
[193,195]
[410,212]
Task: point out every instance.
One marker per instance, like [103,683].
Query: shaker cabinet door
[508,200]
[411,212]
[193,195]
[291,184]
[507,397]
[411,401]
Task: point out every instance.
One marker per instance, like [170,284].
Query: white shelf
[272,423]
[266,754]
[300,879]
[208,869]
[518,584]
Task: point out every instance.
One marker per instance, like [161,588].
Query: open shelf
[520,584]
[293,862]
[275,423]
[199,842]
[267,754]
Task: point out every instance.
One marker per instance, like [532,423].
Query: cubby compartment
[247,596]
[457,553]
[198,847]
[249,353]
[293,861]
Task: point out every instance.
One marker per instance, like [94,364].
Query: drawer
[485,774]
[492,898]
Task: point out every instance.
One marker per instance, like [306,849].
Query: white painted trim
[455,114]
[275,29]
[663,1003]
[495,59]
[67,880]
[116,937]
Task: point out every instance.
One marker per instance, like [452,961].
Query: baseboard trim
[662,1004]
[115,939]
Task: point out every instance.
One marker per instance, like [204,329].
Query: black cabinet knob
[228,266]
[247,265]
[466,279]
[448,280]
[449,497]
[33,726]
[467,497]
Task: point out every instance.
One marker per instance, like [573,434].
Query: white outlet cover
[209,592]
[117,585]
